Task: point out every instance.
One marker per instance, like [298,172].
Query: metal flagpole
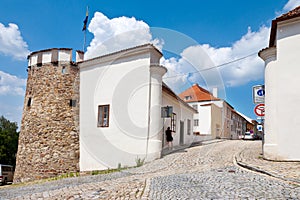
[84,40]
[84,28]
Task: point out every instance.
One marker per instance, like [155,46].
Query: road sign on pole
[258,93]
[259,127]
[260,110]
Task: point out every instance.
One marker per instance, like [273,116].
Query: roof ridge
[203,89]
[125,50]
[286,16]
[291,14]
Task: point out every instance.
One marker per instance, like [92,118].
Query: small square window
[64,70]
[29,102]
[187,98]
[195,107]
[103,116]
[72,103]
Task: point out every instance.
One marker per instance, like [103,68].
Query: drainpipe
[149,115]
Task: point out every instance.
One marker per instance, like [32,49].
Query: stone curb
[237,157]
[146,191]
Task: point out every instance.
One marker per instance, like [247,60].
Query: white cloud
[248,69]
[12,43]
[201,57]
[11,85]
[177,73]
[120,33]
[115,34]
[290,5]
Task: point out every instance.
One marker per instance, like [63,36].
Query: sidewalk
[167,151]
[251,158]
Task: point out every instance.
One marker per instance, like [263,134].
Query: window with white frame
[196,122]
[103,116]
[195,107]
[186,98]
[173,122]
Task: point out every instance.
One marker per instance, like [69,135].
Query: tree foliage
[8,141]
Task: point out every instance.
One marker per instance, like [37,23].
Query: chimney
[215,92]
[79,56]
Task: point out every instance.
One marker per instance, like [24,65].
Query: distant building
[213,119]
[216,118]
[251,125]
[96,114]
[240,125]
[282,86]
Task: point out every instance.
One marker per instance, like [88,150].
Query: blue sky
[194,35]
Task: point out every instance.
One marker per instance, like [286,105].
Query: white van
[6,174]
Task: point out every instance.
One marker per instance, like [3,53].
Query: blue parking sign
[258,93]
[261,92]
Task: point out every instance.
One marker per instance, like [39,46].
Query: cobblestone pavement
[251,157]
[223,183]
[201,172]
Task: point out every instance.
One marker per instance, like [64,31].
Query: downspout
[149,113]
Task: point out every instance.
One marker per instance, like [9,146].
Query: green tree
[8,141]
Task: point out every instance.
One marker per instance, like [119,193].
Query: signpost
[258,93]
[260,110]
[259,127]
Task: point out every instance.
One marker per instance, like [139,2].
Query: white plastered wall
[282,95]
[124,85]
[182,114]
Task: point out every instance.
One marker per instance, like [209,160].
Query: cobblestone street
[208,171]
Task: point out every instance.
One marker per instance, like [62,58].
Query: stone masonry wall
[49,137]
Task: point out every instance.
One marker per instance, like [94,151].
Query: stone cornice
[268,54]
[158,69]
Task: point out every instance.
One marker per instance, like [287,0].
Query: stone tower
[49,137]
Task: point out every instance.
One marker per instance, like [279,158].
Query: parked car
[6,174]
[249,136]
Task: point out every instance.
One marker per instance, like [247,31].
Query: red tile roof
[289,15]
[196,94]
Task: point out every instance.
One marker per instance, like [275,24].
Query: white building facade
[213,119]
[121,97]
[181,121]
[282,86]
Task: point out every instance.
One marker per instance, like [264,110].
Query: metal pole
[263,135]
[84,41]
[163,135]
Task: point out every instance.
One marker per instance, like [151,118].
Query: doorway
[181,139]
